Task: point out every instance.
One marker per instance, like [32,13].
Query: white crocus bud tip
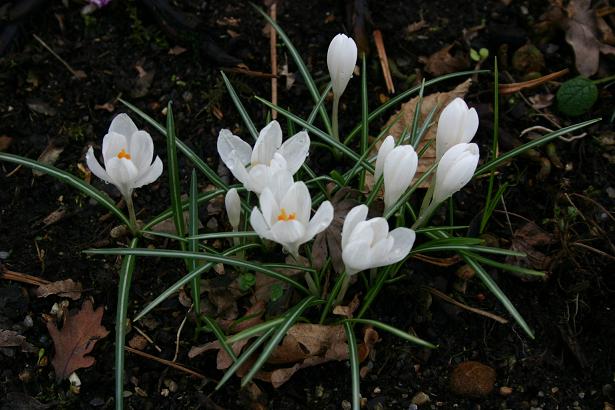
[341,60]
[232,202]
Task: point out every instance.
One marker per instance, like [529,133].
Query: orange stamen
[123,154]
[284,217]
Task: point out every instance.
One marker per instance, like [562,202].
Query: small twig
[80,75]
[541,128]
[22,277]
[179,331]
[481,312]
[149,339]
[444,262]
[384,62]
[515,87]
[273,40]
[167,363]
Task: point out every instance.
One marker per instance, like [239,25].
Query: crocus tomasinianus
[127,156]
[368,244]
[255,167]
[457,124]
[341,59]
[398,164]
[284,215]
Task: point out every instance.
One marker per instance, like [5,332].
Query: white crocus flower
[255,167]
[398,164]
[369,244]
[341,59]
[127,156]
[455,170]
[233,207]
[457,124]
[284,214]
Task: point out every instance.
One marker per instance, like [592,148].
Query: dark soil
[569,365]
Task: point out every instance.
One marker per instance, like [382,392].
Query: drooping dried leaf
[348,310]
[582,35]
[50,155]
[10,338]
[76,339]
[65,288]
[443,62]
[526,239]
[404,121]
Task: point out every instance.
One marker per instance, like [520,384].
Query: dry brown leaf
[10,338]
[403,121]
[5,142]
[582,35]
[76,339]
[347,311]
[64,288]
[49,156]
[443,62]
[526,239]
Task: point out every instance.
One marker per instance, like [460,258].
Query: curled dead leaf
[443,62]
[64,288]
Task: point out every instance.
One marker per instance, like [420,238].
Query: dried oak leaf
[527,239]
[582,35]
[77,338]
[65,288]
[443,62]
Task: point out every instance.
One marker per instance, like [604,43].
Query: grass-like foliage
[273,205]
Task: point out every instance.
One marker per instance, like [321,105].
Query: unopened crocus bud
[457,124]
[341,59]
[455,170]
[399,169]
[233,207]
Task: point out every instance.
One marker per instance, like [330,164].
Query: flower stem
[425,215]
[131,214]
[334,116]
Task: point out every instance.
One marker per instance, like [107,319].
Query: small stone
[420,398]
[554,390]
[346,405]
[505,391]
[138,342]
[377,390]
[472,379]
[581,395]
[171,385]
[608,406]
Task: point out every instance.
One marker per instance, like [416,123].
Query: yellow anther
[123,154]
[283,216]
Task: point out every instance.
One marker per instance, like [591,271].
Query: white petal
[239,171]
[152,173]
[95,166]
[357,257]
[298,200]
[122,171]
[295,150]
[268,142]
[399,170]
[141,150]
[354,216]
[470,125]
[231,147]
[232,203]
[279,182]
[288,234]
[448,126]
[387,146]
[259,225]
[380,252]
[320,221]
[455,170]
[380,227]
[113,144]
[404,240]
[269,207]
[123,125]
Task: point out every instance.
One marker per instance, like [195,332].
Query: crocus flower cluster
[267,170]
[398,164]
